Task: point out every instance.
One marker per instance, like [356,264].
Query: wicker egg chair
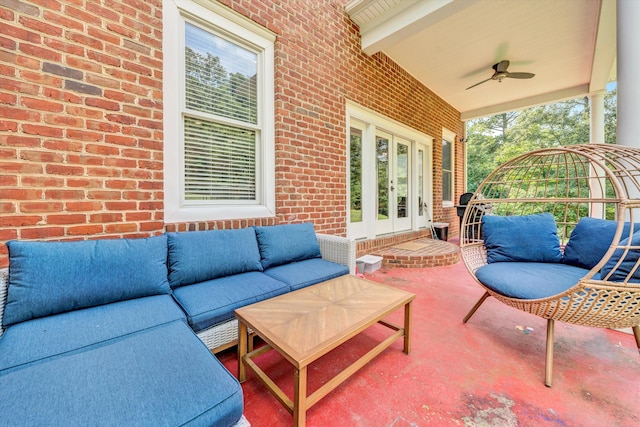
[571,182]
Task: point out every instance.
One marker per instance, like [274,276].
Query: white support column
[628,57]
[596,134]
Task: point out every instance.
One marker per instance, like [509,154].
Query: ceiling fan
[501,72]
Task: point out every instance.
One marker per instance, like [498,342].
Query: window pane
[382,167]
[447,173]
[220,76]
[446,186]
[402,164]
[219,161]
[356,174]
[446,155]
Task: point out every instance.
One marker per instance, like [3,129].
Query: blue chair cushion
[196,256]
[212,302]
[628,269]
[281,244]
[591,239]
[530,280]
[164,376]
[38,339]
[47,278]
[527,238]
[306,273]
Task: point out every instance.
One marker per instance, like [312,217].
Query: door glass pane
[402,186]
[420,182]
[382,169]
[356,174]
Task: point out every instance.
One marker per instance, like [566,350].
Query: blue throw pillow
[281,244]
[196,256]
[590,240]
[628,266]
[47,278]
[528,238]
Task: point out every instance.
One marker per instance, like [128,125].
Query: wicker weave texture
[4,283]
[597,180]
[340,250]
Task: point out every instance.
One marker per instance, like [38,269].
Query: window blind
[219,161]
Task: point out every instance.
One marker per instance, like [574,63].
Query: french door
[393,168]
[390,173]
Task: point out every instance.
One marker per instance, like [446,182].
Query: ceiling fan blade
[477,84]
[520,75]
[501,66]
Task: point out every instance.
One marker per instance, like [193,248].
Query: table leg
[300,397]
[407,327]
[242,350]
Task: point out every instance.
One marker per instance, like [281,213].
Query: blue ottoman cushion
[212,302]
[38,339]
[306,273]
[196,256]
[528,238]
[281,244]
[47,278]
[530,280]
[163,376]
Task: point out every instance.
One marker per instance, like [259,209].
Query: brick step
[419,253]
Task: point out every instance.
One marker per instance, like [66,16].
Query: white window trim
[226,20]
[450,137]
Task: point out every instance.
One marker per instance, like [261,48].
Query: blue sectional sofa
[106,332]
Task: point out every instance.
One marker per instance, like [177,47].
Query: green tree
[494,140]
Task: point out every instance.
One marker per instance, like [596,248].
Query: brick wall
[81,116]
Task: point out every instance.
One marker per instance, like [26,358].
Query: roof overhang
[449,45]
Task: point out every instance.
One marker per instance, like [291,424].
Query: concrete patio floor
[488,372]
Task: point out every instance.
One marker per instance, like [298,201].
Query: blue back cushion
[196,256]
[628,267]
[528,238]
[590,240]
[47,278]
[281,244]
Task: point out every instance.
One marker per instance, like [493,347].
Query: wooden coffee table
[306,324]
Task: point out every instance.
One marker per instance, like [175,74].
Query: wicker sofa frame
[596,180]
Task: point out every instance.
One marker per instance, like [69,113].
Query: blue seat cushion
[628,260]
[38,339]
[47,278]
[282,244]
[527,238]
[530,280]
[212,302]
[306,273]
[196,256]
[164,376]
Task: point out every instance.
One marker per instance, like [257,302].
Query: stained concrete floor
[488,372]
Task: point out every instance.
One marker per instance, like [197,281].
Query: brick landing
[420,253]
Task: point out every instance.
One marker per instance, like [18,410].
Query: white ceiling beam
[404,20]
[532,101]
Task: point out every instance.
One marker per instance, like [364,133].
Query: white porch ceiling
[449,45]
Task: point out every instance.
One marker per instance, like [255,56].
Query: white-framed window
[448,163]
[218,114]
